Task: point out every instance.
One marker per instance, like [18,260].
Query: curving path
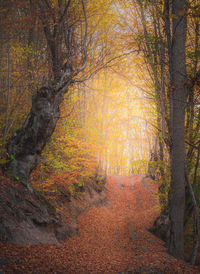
[113,239]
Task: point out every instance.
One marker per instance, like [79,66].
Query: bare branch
[84,41]
[65,11]
[105,65]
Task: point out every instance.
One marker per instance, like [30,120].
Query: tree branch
[84,40]
[103,66]
[65,11]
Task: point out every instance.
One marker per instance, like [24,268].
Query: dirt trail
[113,239]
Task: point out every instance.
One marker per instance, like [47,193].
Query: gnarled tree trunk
[65,52]
[25,146]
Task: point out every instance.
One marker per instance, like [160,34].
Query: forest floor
[112,239]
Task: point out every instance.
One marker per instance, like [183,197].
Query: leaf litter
[112,239]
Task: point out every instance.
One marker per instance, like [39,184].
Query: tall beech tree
[160,28]
[176,30]
[65,30]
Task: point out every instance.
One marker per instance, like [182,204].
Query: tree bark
[8,101]
[25,146]
[196,219]
[178,78]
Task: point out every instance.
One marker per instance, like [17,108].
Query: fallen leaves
[112,239]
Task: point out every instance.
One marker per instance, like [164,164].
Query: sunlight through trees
[94,88]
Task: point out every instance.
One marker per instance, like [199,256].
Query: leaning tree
[65,29]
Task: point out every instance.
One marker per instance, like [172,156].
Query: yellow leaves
[174,16]
[22,52]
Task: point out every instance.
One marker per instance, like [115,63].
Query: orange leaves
[111,240]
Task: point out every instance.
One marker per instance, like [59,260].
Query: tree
[178,79]
[66,42]
[181,94]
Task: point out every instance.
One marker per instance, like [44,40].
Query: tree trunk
[8,101]
[196,219]
[178,95]
[25,146]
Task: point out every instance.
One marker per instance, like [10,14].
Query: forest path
[113,239]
